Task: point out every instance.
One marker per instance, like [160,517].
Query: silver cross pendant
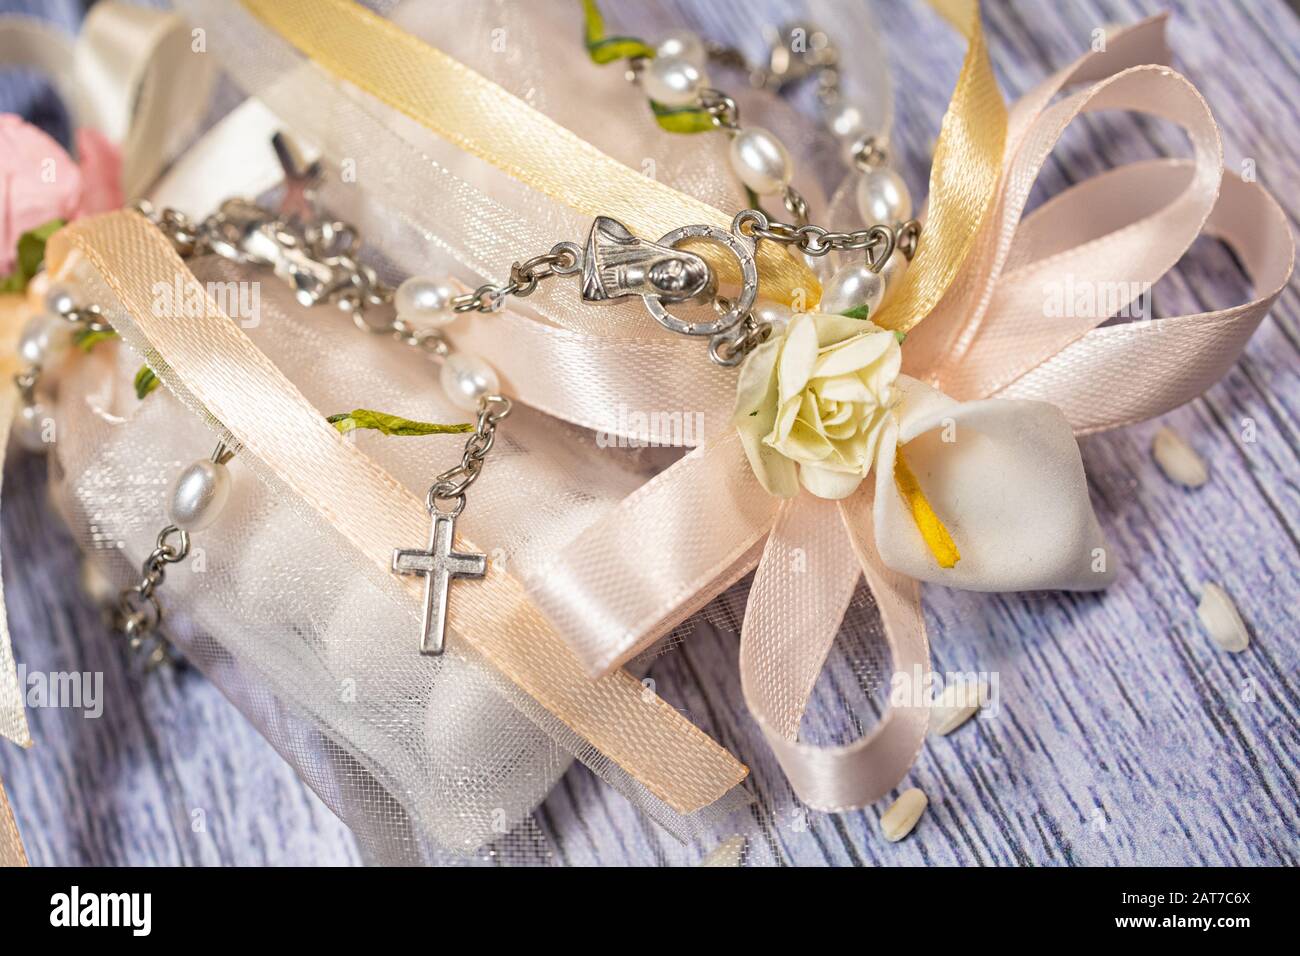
[438,565]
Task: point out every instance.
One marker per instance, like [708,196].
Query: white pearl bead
[684,45]
[892,272]
[198,495]
[846,121]
[883,197]
[421,299]
[467,378]
[44,337]
[673,81]
[777,316]
[760,160]
[853,286]
[59,299]
[32,426]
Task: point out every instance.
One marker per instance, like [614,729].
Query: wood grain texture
[1123,735]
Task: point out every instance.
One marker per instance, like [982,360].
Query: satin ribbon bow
[985,361]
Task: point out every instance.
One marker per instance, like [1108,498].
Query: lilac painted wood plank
[1122,735]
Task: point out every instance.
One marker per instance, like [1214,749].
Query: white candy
[424,300]
[198,495]
[898,821]
[883,197]
[760,160]
[673,81]
[1220,618]
[1177,459]
[851,287]
[467,378]
[43,338]
[683,45]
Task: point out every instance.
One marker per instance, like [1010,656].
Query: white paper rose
[811,404]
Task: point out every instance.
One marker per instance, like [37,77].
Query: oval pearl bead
[29,427]
[777,316]
[673,81]
[892,272]
[684,45]
[421,299]
[883,197]
[467,378]
[851,287]
[846,121]
[59,299]
[198,495]
[43,337]
[760,160]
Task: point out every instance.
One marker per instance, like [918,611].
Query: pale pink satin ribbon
[674,543]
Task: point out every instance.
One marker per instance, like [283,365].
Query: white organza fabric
[427,759]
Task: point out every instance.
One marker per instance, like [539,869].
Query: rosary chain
[452,484]
[564,259]
[139,612]
[878,241]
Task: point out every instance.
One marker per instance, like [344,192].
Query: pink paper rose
[39,181]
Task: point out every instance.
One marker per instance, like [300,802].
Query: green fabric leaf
[31,253]
[145,382]
[392,424]
[900,336]
[87,339]
[603,49]
[618,48]
[682,119]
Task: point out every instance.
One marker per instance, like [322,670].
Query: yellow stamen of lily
[936,536]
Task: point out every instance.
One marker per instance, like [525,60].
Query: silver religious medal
[440,563]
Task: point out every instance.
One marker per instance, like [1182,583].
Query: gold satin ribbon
[209,358]
[963,176]
[491,123]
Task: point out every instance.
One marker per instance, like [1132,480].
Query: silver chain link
[878,242]
[452,484]
[564,259]
[139,613]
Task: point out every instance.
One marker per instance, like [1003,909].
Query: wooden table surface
[1123,734]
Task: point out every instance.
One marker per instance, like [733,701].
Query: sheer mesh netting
[428,759]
